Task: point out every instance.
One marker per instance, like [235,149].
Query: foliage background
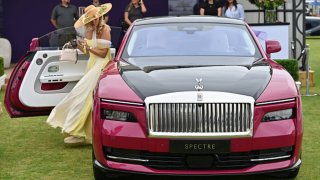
[291,65]
[267,4]
[1,66]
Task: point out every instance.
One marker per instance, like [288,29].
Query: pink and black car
[195,96]
[191,96]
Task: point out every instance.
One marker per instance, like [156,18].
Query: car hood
[148,79]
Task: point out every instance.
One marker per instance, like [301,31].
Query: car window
[190,39]
[56,39]
[315,23]
[308,25]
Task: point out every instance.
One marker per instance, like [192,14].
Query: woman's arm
[81,46]
[219,11]
[126,18]
[201,11]
[105,34]
[97,51]
[241,12]
[143,7]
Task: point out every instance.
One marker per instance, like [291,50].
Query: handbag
[68,53]
[124,25]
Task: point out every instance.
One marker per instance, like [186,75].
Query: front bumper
[134,136]
[132,169]
[124,135]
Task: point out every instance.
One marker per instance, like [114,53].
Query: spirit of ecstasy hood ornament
[199,86]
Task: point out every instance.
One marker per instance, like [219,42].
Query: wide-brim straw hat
[91,13]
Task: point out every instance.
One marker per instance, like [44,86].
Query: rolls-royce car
[184,96]
[195,96]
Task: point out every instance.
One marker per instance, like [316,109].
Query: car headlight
[278,115]
[117,115]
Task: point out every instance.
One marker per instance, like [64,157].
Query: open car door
[39,80]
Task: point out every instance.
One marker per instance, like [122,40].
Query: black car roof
[187,19]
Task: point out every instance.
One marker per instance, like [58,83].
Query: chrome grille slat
[173,107]
[169,117]
[223,119]
[236,122]
[199,115]
[213,117]
[164,121]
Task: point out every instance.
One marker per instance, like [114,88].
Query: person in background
[134,10]
[221,3]
[233,9]
[64,14]
[106,18]
[196,7]
[210,7]
[96,3]
[73,113]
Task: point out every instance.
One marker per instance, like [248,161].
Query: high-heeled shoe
[74,141]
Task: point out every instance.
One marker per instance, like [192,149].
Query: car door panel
[40,81]
[12,103]
[31,93]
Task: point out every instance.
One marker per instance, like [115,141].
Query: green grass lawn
[30,149]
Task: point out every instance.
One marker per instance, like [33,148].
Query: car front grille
[200,118]
[218,161]
[230,117]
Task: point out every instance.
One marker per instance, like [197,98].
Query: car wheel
[100,174]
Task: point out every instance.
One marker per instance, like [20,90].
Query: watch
[88,48]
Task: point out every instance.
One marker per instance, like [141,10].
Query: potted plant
[2,75]
[269,7]
[291,65]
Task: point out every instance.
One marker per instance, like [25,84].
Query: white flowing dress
[73,113]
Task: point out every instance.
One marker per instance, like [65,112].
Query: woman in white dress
[233,9]
[73,113]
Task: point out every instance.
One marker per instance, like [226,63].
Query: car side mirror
[272,46]
[34,44]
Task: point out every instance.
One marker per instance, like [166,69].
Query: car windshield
[190,39]
[56,39]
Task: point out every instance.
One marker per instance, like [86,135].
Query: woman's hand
[143,7]
[82,45]
[81,42]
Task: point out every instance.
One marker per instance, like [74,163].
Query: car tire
[101,174]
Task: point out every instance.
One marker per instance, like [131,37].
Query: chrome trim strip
[276,102]
[122,102]
[268,159]
[96,162]
[128,159]
[298,163]
[199,135]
